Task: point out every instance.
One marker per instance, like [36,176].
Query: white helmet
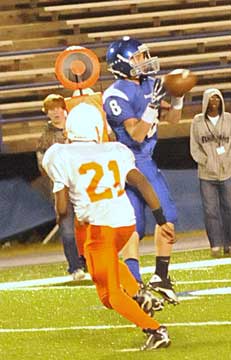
[84,123]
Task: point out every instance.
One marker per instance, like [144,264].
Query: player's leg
[210,194]
[139,292]
[160,281]
[102,259]
[225,200]
[157,337]
[69,245]
[130,252]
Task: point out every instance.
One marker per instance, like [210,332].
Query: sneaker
[216,252]
[156,338]
[164,288]
[78,275]
[227,251]
[148,302]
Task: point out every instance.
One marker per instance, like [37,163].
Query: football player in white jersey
[94,176]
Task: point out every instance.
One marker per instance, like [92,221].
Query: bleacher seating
[170,30]
[184,33]
[153,18]
[131,6]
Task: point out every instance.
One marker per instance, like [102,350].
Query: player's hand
[169,233]
[158,93]
[164,105]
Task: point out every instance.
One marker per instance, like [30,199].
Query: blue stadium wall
[30,209]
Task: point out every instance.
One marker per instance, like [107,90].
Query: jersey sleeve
[54,165]
[118,110]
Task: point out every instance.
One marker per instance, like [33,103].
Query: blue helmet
[124,59]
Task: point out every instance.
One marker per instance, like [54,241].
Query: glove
[158,93]
[151,112]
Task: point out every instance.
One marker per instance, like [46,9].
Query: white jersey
[95,175]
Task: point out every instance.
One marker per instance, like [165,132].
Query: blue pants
[149,169]
[216,202]
[66,228]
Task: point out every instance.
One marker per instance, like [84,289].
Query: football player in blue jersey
[134,106]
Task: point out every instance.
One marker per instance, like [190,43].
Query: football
[179,81]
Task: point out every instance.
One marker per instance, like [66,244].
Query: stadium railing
[173,30]
[13,80]
[42,57]
[59,11]
[27,76]
[154,18]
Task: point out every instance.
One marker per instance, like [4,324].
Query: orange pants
[114,282]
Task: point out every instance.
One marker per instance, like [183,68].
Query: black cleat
[164,288]
[156,338]
[148,302]
[227,251]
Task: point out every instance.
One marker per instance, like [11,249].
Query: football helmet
[84,123]
[127,58]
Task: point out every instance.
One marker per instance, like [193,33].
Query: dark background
[169,154]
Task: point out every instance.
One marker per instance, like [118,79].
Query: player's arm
[42,146]
[137,128]
[39,156]
[139,181]
[196,149]
[120,111]
[171,113]
[61,202]
[157,108]
[168,112]
[55,167]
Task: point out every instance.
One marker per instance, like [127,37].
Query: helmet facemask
[142,63]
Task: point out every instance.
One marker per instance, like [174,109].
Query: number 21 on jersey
[107,193]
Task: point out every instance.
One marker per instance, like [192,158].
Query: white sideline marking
[150,269]
[105,327]
[39,282]
[218,291]
[52,287]
[185,295]
[129,350]
[203,281]
[191,265]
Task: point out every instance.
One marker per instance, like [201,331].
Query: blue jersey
[126,99]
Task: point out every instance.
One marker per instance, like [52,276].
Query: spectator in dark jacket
[54,106]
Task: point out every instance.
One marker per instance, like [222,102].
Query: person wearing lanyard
[210,147]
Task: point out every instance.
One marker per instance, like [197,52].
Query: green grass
[59,309]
